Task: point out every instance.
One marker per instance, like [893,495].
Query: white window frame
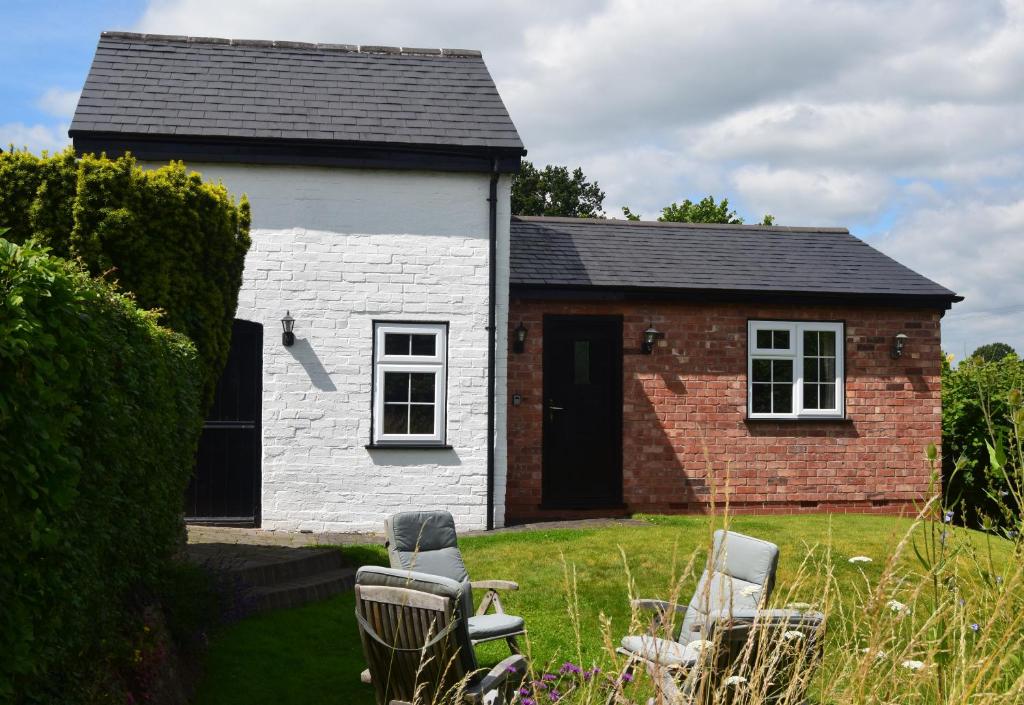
[436,364]
[796,354]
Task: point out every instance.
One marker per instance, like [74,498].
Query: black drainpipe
[491,337]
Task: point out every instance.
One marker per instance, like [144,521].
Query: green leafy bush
[981,422]
[99,420]
[175,242]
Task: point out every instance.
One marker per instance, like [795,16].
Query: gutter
[492,290]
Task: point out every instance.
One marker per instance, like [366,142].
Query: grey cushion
[662,651]
[425,542]
[435,585]
[741,570]
[493,626]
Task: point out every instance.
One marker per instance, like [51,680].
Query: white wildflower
[792,634]
[700,644]
[898,607]
[860,559]
[879,655]
[735,680]
[913,665]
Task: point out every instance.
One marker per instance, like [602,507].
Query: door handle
[552,407]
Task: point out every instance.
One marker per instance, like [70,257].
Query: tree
[703,211]
[555,191]
[993,352]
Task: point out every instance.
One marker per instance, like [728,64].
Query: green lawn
[312,654]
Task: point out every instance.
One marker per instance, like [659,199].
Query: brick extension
[689,398]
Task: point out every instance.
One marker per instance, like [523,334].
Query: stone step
[259,566]
[302,590]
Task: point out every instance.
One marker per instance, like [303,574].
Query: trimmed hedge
[176,243]
[99,420]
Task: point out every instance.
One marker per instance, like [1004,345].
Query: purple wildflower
[627,677]
[524,691]
[570,667]
[975,627]
[549,677]
[948,516]
[555,696]
[529,701]
[511,669]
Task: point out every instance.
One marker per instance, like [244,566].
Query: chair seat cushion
[494,626]
[663,651]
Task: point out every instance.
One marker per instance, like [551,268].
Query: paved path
[223,535]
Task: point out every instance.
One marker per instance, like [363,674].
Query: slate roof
[147,84]
[577,253]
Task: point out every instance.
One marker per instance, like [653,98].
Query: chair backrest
[786,648]
[739,577]
[427,543]
[770,658]
[414,633]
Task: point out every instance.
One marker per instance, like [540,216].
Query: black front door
[226,484]
[582,411]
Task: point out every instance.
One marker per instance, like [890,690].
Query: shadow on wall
[414,456]
[303,352]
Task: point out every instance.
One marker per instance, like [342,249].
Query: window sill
[408,446]
[800,419]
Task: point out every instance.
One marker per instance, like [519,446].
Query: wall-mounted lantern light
[519,338]
[651,335]
[288,323]
[897,345]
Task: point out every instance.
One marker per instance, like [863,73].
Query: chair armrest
[662,606]
[513,666]
[493,585]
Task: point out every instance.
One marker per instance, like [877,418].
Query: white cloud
[58,102]
[35,138]
[907,112]
[814,197]
[974,248]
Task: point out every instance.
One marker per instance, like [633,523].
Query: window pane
[764,339]
[421,418]
[782,370]
[762,370]
[811,396]
[828,396]
[396,386]
[827,369]
[396,418]
[424,344]
[581,361]
[810,369]
[780,339]
[762,399]
[810,342]
[782,398]
[422,386]
[827,342]
[396,343]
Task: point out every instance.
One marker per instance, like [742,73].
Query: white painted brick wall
[340,248]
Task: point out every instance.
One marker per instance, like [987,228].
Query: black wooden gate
[226,486]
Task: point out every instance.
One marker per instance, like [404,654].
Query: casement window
[409,373]
[794,370]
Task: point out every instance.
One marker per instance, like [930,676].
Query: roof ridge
[693,226]
[273,44]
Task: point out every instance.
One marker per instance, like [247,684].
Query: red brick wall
[684,410]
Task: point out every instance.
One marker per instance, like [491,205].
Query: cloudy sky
[903,121]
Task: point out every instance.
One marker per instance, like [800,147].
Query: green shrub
[176,243]
[99,420]
[978,413]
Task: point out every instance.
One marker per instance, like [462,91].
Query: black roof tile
[293,90]
[579,253]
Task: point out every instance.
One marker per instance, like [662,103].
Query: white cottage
[380,186]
